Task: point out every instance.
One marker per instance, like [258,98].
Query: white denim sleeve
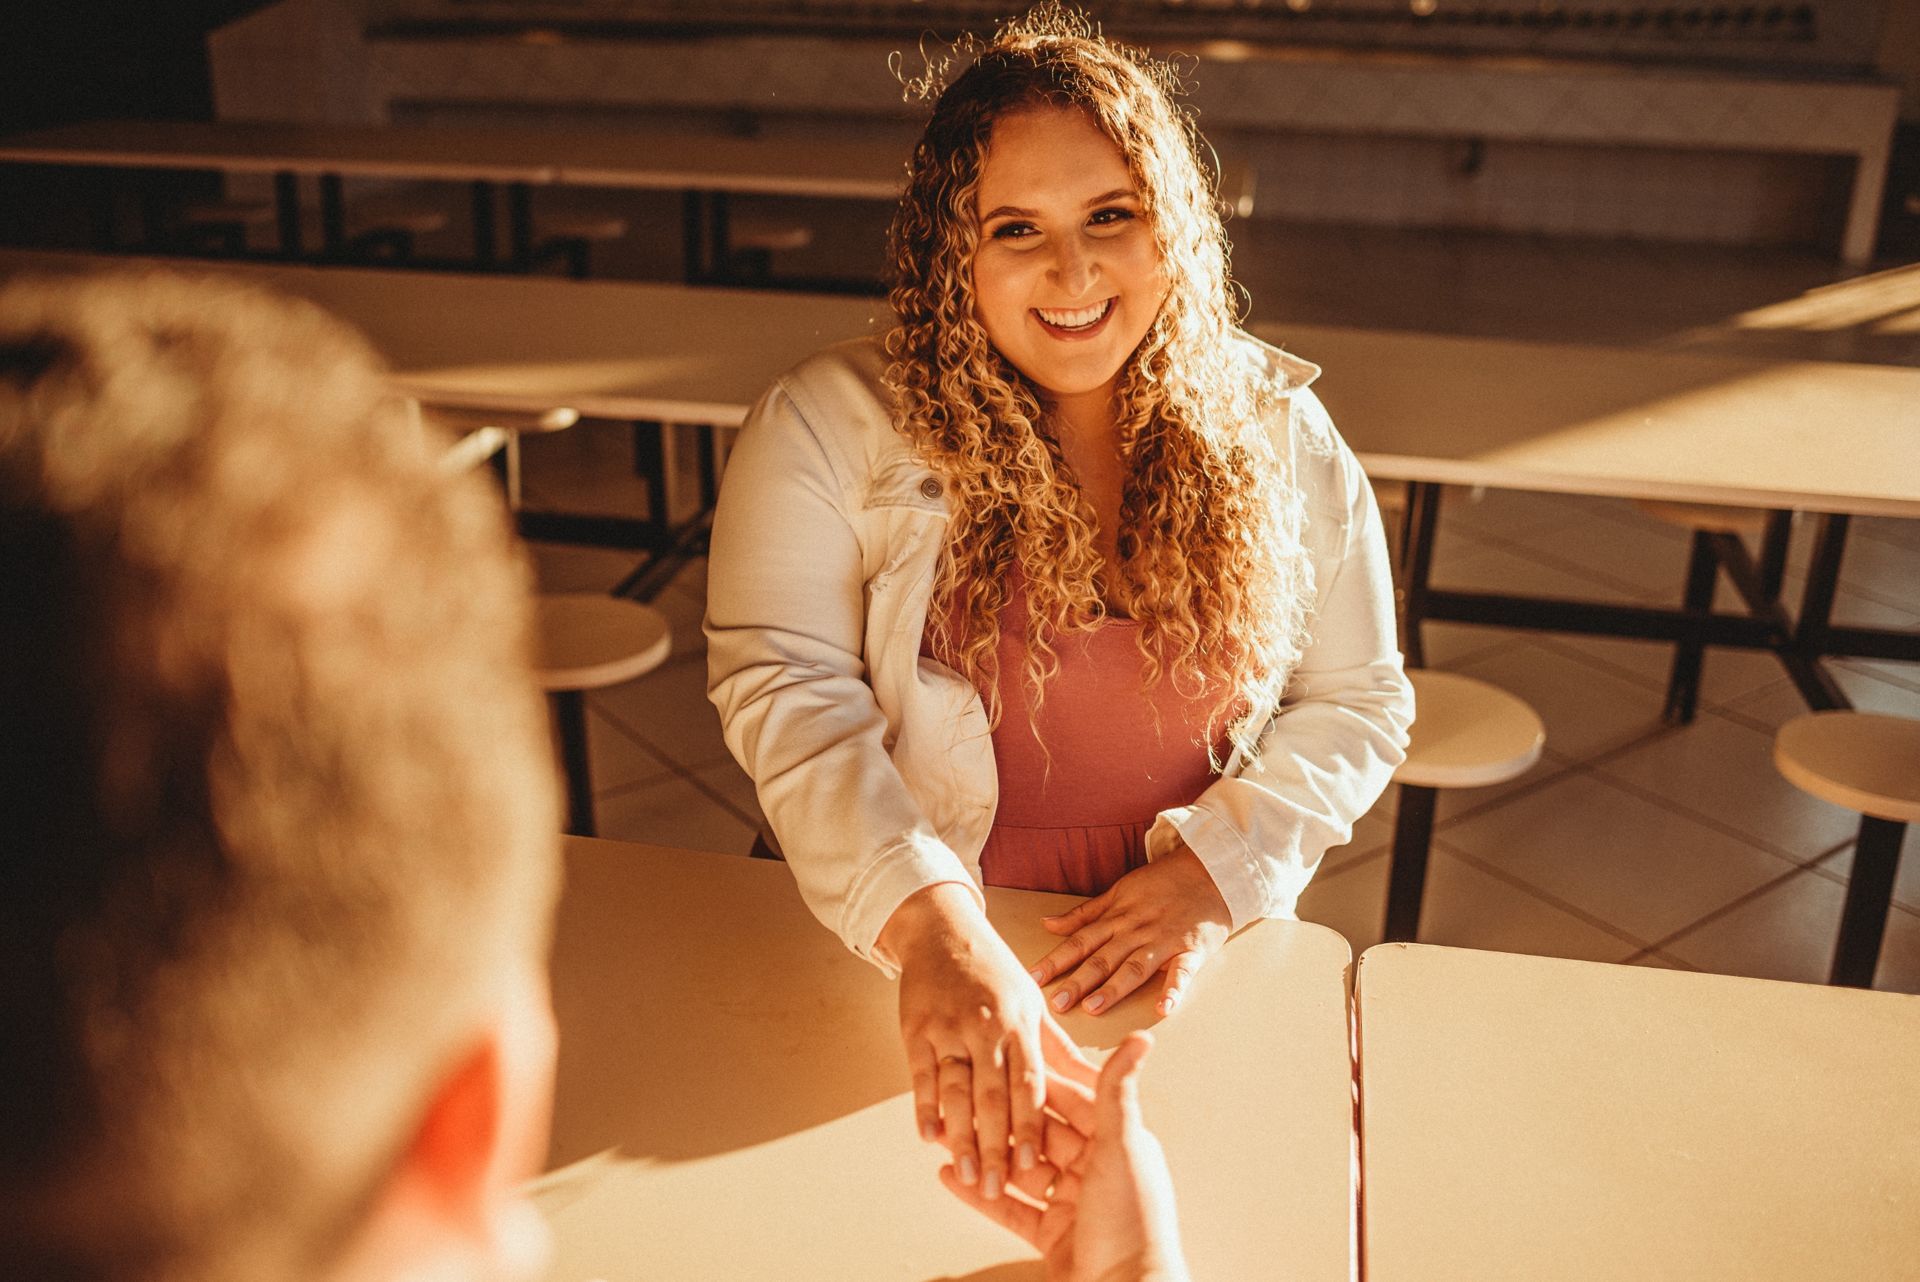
[1342,725]
[785,629]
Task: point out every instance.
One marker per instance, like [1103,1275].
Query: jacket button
[931,487]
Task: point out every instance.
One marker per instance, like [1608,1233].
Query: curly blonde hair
[1210,556]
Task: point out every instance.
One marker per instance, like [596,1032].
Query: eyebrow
[1118,193]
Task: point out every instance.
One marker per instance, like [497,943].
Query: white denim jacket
[874,766]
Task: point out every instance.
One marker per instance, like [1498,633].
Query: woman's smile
[1076,324]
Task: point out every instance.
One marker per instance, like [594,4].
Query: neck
[1085,416]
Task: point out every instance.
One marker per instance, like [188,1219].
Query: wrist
[926,917]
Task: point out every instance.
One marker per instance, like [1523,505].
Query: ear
[451,1168]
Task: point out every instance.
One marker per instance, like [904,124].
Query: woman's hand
[1167,915]
[1100,1207]
[978,1037]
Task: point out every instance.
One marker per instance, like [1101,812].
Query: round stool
[589,642]
[1870,763]
[1707,521]
[1466,734]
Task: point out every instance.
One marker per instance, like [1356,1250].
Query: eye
[1013,231]
[1112,216]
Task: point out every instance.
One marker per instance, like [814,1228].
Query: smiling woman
[1068,584]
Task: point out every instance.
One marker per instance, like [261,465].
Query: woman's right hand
[978,1036]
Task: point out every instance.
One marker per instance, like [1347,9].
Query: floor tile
[1448,645]
[1647,559]
[1725,674]
[1772,706]
[672,812]
[668,709]
[1786,932]
[1497,569]
[1585,709]
[1723,771]
[1464,907]
[1906,882]
[616,759]
[731,784]
[1469,907]
[1634,864]
[1899,970]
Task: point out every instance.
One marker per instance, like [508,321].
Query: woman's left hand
[1166,915]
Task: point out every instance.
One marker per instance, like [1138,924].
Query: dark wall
[70,60]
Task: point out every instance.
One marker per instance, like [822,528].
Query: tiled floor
[1630,840]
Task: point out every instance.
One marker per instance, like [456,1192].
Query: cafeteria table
[654,355]
[733,1102]
[706,170]
[1533,1117]
[1824,437]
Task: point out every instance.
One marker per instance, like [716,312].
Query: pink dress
[1074,817]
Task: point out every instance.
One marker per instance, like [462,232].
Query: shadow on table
[712,1025]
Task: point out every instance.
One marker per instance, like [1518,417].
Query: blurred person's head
[277,831]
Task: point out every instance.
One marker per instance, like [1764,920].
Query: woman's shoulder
[839,381]
[1278,372]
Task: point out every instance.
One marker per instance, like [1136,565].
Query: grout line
[1829,874]
[1739,901]
[1547,897]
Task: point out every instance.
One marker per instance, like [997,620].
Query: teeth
[1075,320]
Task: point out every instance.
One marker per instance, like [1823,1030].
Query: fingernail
[1027,1158]
[993,1184]
[1094,1003]
[969,1170]
[929,1131]
[1062,1000]
[1038,977]
[1166,1006]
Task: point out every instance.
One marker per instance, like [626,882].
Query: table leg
[485,237]
[570,721]
[1416,563]
[1407,865]
[693,223]
[1810,630]
[718,249]
[333,218]
[1773,553]
[520,226]
[286,212]
[1863,922]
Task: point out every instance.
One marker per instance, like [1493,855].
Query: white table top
[607,349]
[733,1100]
[1822,436]
[1621,422]
[1529,1118]
[625,158]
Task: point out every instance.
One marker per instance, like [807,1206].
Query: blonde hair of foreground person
[1212,562]
[279,807]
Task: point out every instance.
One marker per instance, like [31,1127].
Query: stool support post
[1863,922]
[1407,870]
[1683,683]
[570,726]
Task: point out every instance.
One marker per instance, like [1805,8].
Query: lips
[1078,322]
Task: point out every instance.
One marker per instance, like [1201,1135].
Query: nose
[1074,266]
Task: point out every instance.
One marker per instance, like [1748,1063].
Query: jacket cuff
[887,883]
[1223,852]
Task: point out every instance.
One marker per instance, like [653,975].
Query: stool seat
[768,234]
[586,226]
[588,641]
[1467,733]
[1864,761]
[1712,518]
